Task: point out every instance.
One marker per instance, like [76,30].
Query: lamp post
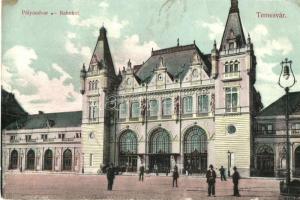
[21,164]
[229,162]
[82,169]
[286,81]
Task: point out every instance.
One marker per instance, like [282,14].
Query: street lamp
[229,162]
[82,168]
[286,81]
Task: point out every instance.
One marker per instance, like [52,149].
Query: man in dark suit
[175,176]
[110,174]
[142,170]
[222,173]
[235,179]
[211,180]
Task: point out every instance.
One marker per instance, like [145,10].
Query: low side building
[45,141]
[270,138]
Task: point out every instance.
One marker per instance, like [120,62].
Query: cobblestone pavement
[70,186]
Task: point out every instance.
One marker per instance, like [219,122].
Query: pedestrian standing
[235,179]
[110,174]
[211,180]
[175,175]
[142,170]
[222,173]
[156,169]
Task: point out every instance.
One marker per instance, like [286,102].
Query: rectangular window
[61,136]
[188,105]
[203,103]
[296,128]
[231,99]
[153,108]
[135,110]
[12,138]
[78,135]
[44,136]
[270,129]
[27,138]
[167,106]
[231,45]
[123,110]
[93,110]
[91,159]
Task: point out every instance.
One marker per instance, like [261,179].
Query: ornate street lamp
[286,81]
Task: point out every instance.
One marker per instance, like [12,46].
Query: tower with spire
[98,83]
[233,68]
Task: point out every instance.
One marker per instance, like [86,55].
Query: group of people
[210,178]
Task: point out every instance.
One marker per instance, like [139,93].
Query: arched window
[160,142]
[236,66]
[188,105]
[135,110]
[195,140]
[30,160]
[48,159]
[14,159]
[167,107]
[128,143]
[153,108]
[67,159]
[90,85]
[227,67]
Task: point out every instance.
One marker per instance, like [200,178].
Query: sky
[42,55]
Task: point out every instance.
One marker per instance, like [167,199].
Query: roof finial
[234,6]
[194,42]
[215,44]
[249,38]
[177,41]
[129,64]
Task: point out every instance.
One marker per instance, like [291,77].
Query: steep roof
[10,108]
[45,120]
[233,29]
[277,108]
[177,60]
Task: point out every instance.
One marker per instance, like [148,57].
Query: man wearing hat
[235,180]
[211,180]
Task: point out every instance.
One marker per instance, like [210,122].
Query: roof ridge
[173,49]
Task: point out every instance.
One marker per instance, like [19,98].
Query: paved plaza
[71,186]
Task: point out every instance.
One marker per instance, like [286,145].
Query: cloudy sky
[42,55]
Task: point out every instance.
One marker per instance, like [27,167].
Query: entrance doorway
[48,160]
[128,151]
[195,150]
[67,160]
[160,149]
[297,162]
[13,160]
[30,160]
[265,161]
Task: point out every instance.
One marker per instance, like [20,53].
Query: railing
[68,139]
[14,141]
[202,114]
[166,116]
[31,140]
[231,75]
[265,132]
[232,109]
[48,140]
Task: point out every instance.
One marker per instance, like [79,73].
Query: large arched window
[195,150]
[67,159]
[128,143]
[48,159]
[30,160]
[160,142]
[14,159]
[195,140]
